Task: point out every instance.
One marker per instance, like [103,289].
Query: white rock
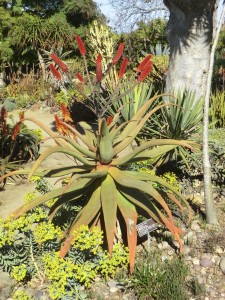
[113,289]
[195,261]
[222,264]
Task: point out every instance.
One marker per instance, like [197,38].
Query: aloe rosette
[99,172]
[102,176]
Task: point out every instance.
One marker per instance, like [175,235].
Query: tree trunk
[189,33]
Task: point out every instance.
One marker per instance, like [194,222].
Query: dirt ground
[12,196]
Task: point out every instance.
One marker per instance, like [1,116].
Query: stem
[208,195]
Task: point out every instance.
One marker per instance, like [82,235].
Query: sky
[110,12]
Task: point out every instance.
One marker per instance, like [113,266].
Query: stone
[205,262]
[222,265]
[219,250]
[165,245]
[112,283]
[186,249]
[113,289]
[189,238]
[195,261]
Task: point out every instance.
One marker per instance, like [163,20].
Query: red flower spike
[143,63]
[118,54]
[4,113]
[145,72]
[80,45]
[16,131]
[55,72]
[79,77]
[123,67]
[99,68]
[59,62]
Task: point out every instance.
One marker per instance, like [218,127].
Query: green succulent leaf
[109,209]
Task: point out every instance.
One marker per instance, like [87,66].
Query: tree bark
[190,33]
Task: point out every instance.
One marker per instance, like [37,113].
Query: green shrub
[217,109]
[29,248]
[160,280]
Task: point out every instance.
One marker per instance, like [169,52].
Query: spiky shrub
[109,194]
[181,120]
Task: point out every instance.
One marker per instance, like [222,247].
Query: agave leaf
[129,214]
[132,182]
[63,171]
[105,144]
[59,140]
[80,148]
[81,137]
[58,149]
[138,116]
[162,182]
[51,195]
[140,200]
[154,142]
[122,144]
[87,214]
[19,172]
[109,208]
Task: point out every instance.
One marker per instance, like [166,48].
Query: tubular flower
[143,63]
[118,54]
[66,113]
[79,77]
[80,44]
[59,62]
[145,72]
[99,68]
[55,72]
[16,131]
[123,67]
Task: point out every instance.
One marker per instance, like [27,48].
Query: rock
[205,262]
[195,226]
[195,261]
[189,238]
[113,289]
[222,265]
[186,249]
[219,250]
[112,283]
[165,245]
[6,284]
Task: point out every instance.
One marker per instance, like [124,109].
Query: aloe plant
[99,174]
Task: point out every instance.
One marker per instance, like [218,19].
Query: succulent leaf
[105,144]
[109,208]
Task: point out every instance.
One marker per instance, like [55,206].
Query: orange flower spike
[123,67]
[80,44]
[58,124]
[145,72]
[143,63]
[16,131]
[59,62]
[66,113]
[79,77]
[118,54]
[99,68]
[55,72]
[4,113]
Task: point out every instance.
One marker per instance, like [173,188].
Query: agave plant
[181,120]
[99,180]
